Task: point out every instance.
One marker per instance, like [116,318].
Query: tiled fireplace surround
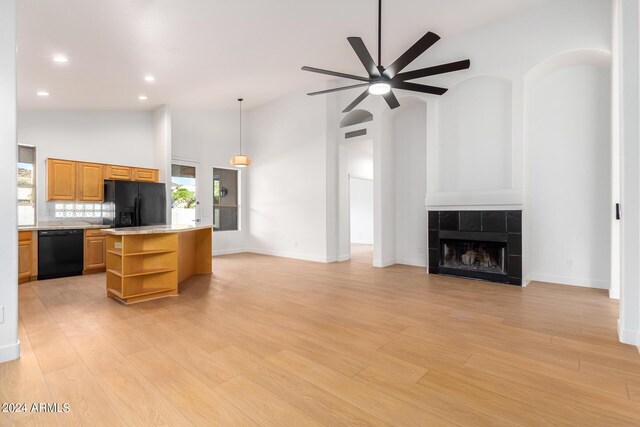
[498,231]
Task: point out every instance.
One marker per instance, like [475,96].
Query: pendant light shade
[240,160]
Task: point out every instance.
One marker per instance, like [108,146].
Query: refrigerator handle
[136,212]
[139,211]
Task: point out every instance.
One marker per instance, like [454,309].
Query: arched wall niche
[597,57]
[567,222]
[475,135]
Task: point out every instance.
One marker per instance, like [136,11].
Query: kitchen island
[146,263]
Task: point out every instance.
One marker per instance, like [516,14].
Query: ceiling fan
[382,79]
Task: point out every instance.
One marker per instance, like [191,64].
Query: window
[184,205]
[26,185]
[226,203]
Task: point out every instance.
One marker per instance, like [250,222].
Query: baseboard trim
[10,352]
[570,281]
[344,257]
[629,336]
[412,262]
[384,263]
[292,255]
[228,251]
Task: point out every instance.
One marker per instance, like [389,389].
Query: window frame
[237,206]
[33,186]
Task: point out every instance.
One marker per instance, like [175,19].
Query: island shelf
[146,263]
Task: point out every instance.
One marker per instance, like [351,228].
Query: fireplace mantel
[510,199]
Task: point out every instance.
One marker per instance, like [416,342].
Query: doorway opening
[185,207]
[361,218]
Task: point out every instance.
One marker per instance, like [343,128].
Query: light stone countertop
[155,229]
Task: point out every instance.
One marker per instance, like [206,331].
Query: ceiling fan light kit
[240,160]
[379,88]
[382,80]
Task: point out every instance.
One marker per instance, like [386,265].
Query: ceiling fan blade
[432,71]
[336,74]
[391,99]
[357,101]
[434,90]
[365,57]
[321,92]
[411,54]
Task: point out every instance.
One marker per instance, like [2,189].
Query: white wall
[162,149]
[210,138]
[475,135]
[116,137]
[410,141]
[361,208]
[9,343]
[569,183]
[287,140]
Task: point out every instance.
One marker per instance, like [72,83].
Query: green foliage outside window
[183,198]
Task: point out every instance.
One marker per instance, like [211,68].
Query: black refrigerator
[135,204]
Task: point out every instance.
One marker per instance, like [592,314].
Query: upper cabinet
[68,180]
[122,173]
[61,180]
[90,183]
[145,175]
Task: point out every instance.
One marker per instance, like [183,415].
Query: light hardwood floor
[271,341]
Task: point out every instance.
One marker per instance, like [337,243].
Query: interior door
[185,194]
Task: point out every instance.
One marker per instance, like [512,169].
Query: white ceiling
[206,53]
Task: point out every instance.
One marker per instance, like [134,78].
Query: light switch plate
[1,314]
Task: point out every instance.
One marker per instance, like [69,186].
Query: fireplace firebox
[485,245]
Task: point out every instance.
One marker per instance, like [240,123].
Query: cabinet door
[145,175]
[24,261]
[122,173]
[90,182]
[61,180]
[95,253]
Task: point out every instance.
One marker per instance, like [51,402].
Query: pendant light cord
[240,100]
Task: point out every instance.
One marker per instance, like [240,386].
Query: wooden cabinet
[90,182]
[121,173]
[61,180]
[84,182]
[145,175]
[95,251]
[27,256]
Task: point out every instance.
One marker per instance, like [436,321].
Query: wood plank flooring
[272,341]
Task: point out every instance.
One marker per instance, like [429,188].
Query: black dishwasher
[60,253]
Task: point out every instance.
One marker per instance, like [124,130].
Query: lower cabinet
[95,251]
[27,256]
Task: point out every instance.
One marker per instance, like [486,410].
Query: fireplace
[485,245]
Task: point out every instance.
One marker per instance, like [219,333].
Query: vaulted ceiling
[206,53]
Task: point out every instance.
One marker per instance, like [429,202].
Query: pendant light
[240,160]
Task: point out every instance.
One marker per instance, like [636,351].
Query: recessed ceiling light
[60,59]
[142,97]
[149,78]
[43,93]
